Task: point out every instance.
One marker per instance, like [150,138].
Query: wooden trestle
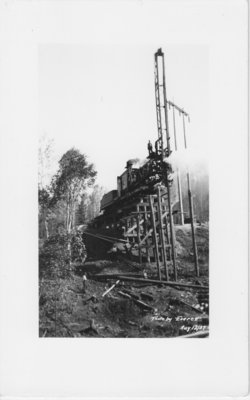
[148,228]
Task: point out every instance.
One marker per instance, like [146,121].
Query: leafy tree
[89,206]
[81,213]
[93,207]
[44,199]
[74,176]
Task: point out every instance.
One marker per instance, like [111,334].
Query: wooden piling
[146,231]
[191,209]
[138,234]
[155,236]
[178,173]
[163,244]
[180,196]
[172,236]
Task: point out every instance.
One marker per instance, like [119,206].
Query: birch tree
[74,176]
[45,158]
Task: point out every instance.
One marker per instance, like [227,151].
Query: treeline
[199,181]
[69,197]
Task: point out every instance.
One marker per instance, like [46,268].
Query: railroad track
[106,238]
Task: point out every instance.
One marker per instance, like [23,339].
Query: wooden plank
[132,228]
[151,230]
[111,288]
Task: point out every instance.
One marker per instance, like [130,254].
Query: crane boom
[161,105]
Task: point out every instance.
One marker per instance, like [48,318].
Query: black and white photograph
[124,165]
[123,191]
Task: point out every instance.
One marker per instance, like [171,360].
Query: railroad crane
[140,209]
[135,181]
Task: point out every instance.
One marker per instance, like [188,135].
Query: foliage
[78,250]
[94,202]
[74,176]
[81,211]
[55,257]
[45,211]
[44,197]
[56,299]
[200,191]
[89,206]
[56,304]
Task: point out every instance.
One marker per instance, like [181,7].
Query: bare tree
[45,160]
[45,157]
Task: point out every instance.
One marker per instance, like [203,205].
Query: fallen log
[125,295]
[130,275]
[134,295]
[144,305]
[190,305]
[146,296]
[149,281]
[138,302]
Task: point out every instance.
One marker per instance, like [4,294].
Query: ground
[130,309]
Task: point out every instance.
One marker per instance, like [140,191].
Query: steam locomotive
[137,181]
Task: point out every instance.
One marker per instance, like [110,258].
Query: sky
[101,100]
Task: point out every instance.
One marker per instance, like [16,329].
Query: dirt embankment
[130,309]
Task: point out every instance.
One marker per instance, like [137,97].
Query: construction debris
[150,281]
[138,302]
[109,290]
